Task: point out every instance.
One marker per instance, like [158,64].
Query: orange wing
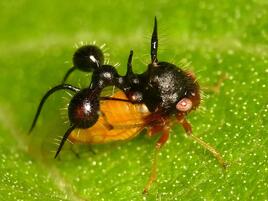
[127,121]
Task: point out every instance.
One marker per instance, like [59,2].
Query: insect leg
[67,74]
[162,140]
[106,122]
[217,86]
[88,149]
[157,124]
[153,130]
[74,152]
[64,138]
[164,137]
[188,129]
[186,126]
[91,149]
[154,43]
[48,93]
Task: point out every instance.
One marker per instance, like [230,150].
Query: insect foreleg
[188,129]
[162,140]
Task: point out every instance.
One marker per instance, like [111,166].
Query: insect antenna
[49,92]
[64,138]
[154,43]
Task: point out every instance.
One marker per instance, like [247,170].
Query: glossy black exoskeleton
[86,58]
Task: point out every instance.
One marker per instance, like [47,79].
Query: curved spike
[129,63]
[67,74]
[48,93]
[64,138]
[154,43]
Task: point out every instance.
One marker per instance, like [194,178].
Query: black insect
[157,98]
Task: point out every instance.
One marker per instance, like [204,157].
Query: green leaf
[215,38]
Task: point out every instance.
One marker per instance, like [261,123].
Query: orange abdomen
[127,121]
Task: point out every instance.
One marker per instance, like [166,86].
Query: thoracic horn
[154,43]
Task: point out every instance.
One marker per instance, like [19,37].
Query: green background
[211,38]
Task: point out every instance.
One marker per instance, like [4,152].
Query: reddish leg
[188,129]
[162,140]
[155,129]
[157,124]
[186,125]
[164,137]
[217,86]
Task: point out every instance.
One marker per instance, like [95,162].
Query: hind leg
[162,140]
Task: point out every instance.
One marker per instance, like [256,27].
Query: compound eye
[184,105]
